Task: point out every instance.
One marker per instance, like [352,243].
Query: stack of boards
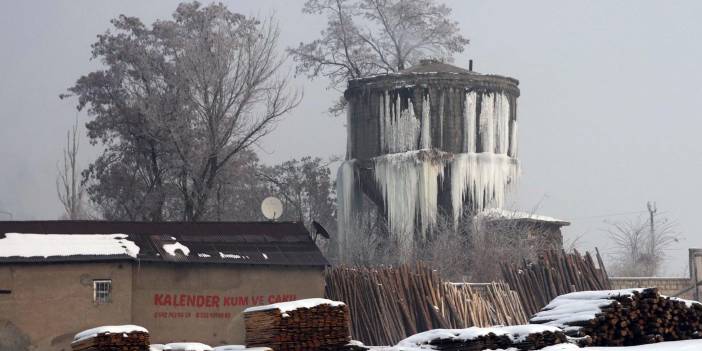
[311,324]
[623,317]
[519,337]
[112,338]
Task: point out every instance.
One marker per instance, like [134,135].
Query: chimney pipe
[470,65]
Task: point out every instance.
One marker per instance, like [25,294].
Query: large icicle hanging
[487,124]
[513,143]
[501,123]
[426,123]
[400,128]
[349,131]
[469,111]
[481,178]
[348,203]
[409,186]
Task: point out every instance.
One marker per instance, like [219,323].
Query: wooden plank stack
[387,304]
[556,273]
[112,338]
[312,324]
[623,317]
[524,337]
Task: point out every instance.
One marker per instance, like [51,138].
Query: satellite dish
[272,208]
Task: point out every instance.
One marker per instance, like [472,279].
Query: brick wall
[666,286]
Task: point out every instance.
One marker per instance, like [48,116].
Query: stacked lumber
[387,304]
[521,337]
[623,317]
[555,273]
[112,338]
[311,324]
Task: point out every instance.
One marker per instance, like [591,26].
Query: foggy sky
[608,113]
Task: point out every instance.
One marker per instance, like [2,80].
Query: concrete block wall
[666,286]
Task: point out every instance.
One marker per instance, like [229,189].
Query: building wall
[204,303]
[50,303]
[666,286]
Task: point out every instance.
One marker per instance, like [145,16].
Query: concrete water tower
[434,136]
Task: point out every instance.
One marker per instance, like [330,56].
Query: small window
[102,291]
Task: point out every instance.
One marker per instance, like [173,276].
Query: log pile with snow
[623,317]
[311,324]
[518,337]
[112,338]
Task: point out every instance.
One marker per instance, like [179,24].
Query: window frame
[100,295]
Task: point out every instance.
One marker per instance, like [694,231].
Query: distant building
[182,281]
[542,230]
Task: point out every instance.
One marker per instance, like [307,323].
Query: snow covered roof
[249,243]
[503,214]
[45,245]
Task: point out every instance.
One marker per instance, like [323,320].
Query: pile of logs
[513,338]
[623,317]
[112,339]
[556,273]
[387,304]
[313,324]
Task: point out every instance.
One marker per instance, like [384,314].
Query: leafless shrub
[640,244]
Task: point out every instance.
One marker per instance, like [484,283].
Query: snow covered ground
[686,345]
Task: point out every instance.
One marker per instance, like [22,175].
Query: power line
[610,215]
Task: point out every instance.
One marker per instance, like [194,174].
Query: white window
[102,291]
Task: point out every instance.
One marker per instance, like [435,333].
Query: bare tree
[641,243]
[69,188]
[175,104]
[366,37]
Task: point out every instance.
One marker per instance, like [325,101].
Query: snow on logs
[109,338]
[623,317]
[518,337]
[311,324]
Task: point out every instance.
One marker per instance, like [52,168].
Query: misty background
[608,108]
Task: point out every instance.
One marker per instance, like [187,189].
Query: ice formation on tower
[423,141]
[409,186]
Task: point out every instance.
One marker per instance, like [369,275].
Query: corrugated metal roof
[250,243]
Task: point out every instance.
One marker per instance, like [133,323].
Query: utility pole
[652,209]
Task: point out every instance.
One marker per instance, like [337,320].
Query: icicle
[348,203]
[469,110]
[426,123]
[513,143]
[440,143]
[501,123]
[402,128]
[349,131]
[409,187]
[487,124]
[481,178]
[381,124]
